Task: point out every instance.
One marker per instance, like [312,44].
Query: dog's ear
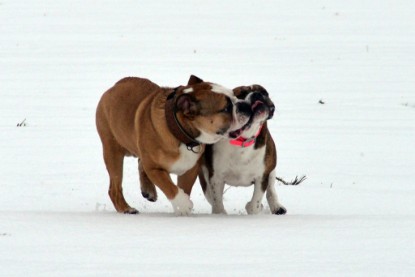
[260,89]
[188,105]
[241,92]
[194,80]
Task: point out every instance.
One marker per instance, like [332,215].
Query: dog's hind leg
[114,159]
[272,197]
[148,189]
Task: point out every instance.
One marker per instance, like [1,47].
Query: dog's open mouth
[237,133]
[257,108]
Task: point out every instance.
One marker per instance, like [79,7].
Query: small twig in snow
[226,189]
[295,182]
[22,124]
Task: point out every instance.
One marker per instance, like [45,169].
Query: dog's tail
[294,182]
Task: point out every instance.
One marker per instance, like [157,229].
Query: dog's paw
[149,196]
[280,210]
[131,211]
[253,207]
[182,205]
[216,210]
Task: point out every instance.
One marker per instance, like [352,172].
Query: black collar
[174,125]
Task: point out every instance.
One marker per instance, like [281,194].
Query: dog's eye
[228,108]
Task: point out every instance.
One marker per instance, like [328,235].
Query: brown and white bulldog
[166,129]
[248,157]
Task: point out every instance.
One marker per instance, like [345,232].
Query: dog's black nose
[271,112]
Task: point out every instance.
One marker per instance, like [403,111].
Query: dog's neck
[177,128]
[243,142]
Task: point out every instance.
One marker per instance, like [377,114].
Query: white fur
[255,205]
[186,160]
[188,90]
[181,203]
[208,138]
[238,166]
[221,89]
[239,119]
[252,131]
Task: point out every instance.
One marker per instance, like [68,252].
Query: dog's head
[261,106]
[211,109]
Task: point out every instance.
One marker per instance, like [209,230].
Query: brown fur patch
[270,159]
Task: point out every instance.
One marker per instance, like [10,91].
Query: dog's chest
[238,166]
[186,161]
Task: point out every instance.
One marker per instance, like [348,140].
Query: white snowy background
[354,215]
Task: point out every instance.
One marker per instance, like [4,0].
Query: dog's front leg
[214,195]
[187,180]
[255,205]
[180,201]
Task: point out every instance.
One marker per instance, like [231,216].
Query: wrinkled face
[212,109]
[262,109]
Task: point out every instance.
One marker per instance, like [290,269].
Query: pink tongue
[257,103]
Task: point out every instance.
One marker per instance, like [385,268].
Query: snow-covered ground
[355,214]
